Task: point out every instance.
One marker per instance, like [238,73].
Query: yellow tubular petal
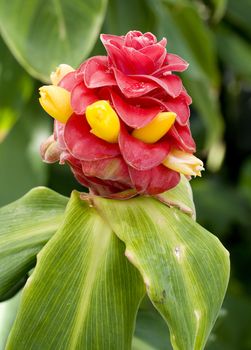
[184,163]
[56,101]
[156,129]
[60,72]
[103,120]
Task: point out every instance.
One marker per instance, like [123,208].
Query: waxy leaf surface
[88,291]
[185,268]
[43,34]
[25,226]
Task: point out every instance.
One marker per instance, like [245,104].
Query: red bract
[137,78]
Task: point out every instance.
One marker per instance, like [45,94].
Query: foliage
[85,280]
[214,36]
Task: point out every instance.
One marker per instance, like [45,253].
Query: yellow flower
[60,72]
[184,163]
[103,120]
[56,101]
[156,129]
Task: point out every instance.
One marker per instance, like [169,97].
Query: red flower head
[122,120]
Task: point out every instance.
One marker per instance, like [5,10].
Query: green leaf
[15,89]
[233,330]
[238,13]
[8,311]
[83,293]
[245,181]
[25,226]
[43,34]
[22,129]
[235,52]
[21,165]
[217,199]
[206,102]
[180,196]
[151,331]
[195,45]
[219,9]
[139,344]
[184,267]
[123,16]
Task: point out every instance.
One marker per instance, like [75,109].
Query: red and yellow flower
[122,120]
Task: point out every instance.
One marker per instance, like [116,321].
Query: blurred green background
[214,37]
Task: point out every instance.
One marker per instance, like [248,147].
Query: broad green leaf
[22,129]
[139,344]
[15,89]
[205,100]
[123,16]
[185,268]
[219,9]
[83,293]
[195,45]
[151,331]
[8,311]
[235,52]
[245,180]
[233,330]
[216,155]
[43,34]
[180,196]
[25,226]
[7,120]
[216,199]
[21,164]
[238,13]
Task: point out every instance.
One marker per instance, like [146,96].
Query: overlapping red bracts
[137,78]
